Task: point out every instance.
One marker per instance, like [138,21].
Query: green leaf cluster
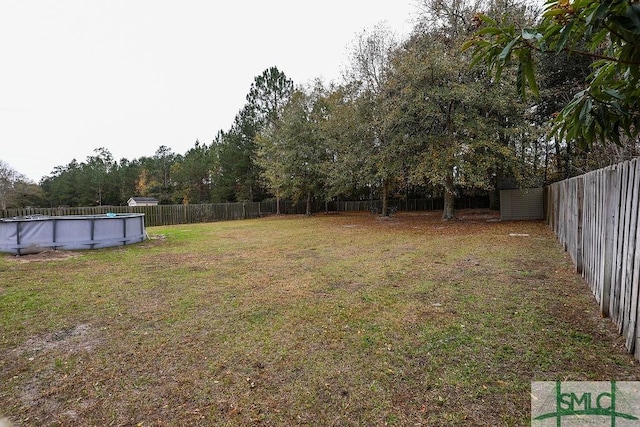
[607,31]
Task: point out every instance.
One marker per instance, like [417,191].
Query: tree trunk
[385,201]
[277,202]
[449,197]
[309,203]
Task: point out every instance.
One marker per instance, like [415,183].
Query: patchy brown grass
[345,319]
[48,255]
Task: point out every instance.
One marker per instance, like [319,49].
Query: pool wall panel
[35,234]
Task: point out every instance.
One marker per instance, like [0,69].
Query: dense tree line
[411,118]
[16,190]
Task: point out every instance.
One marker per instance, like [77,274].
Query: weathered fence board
[596,219]
[630,266]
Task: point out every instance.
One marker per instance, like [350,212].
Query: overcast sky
[132,75]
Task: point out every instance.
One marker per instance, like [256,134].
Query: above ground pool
[34,234]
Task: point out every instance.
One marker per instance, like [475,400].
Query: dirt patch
[56,354]
[478,215]
[73,340]
[49,255]
[432,221]
[156,238]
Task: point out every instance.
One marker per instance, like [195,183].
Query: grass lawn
[342,319]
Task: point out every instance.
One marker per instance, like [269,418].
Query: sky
[133,75]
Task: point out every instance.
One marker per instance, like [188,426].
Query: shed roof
[143,199]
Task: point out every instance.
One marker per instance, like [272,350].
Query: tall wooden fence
[596,218]
[161,214]
[187,214]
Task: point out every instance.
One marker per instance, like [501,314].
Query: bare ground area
[48,255]
[346,319]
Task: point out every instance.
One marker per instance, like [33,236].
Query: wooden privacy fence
[173,214]
[156,215]
[596,219]
[187,214]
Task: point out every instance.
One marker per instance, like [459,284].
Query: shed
[522,204]
[142,201]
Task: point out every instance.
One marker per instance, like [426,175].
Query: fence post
[579,220]
[607,253]
[631,300]
[635,275]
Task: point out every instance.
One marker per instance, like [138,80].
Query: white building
[142,201]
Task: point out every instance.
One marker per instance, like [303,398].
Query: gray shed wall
[521,204]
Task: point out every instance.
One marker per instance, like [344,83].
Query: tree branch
[584,53]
